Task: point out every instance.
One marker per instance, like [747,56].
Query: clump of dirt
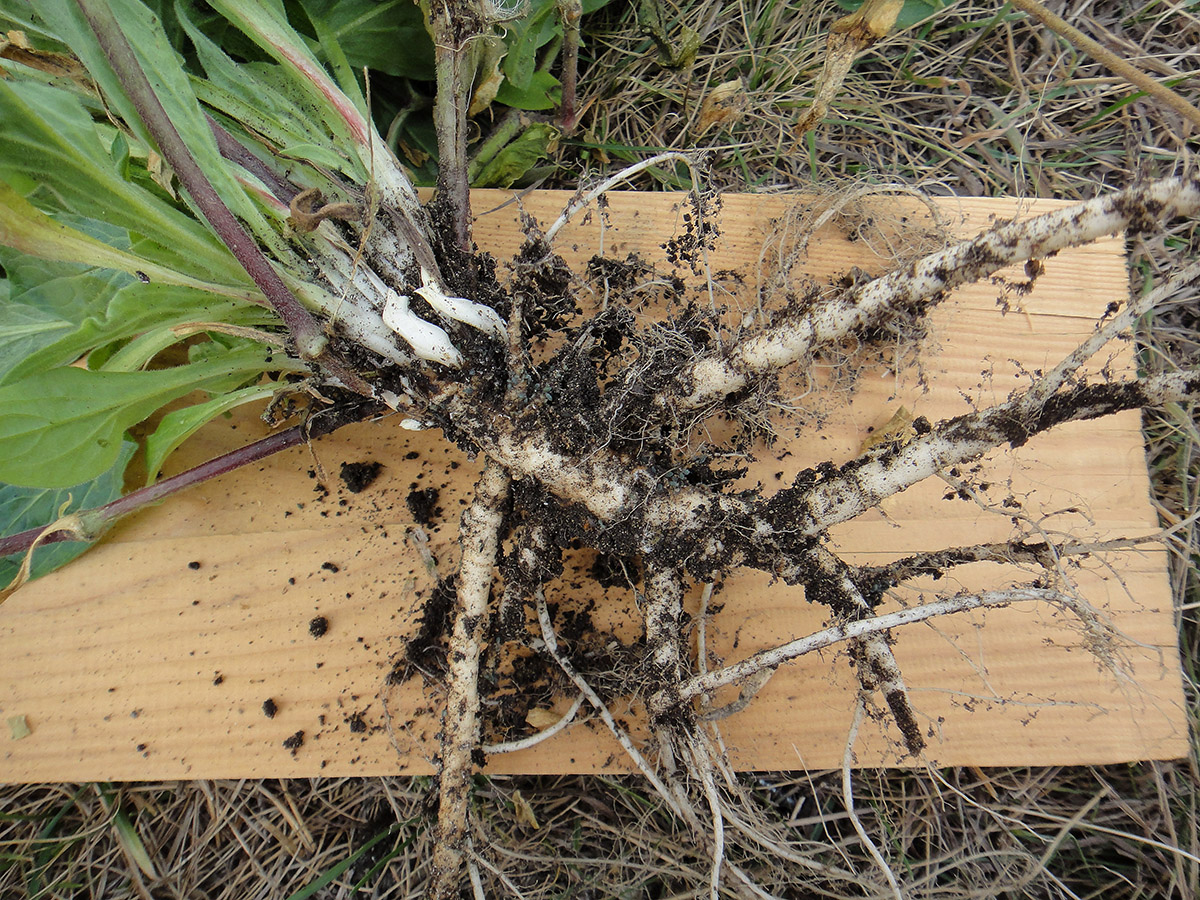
[426,651]
[544,282]
[358,476]
[700,233]
[422,503]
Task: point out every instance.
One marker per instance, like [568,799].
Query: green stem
[507,129]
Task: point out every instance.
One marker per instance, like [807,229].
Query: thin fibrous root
[550,642]
[479,537]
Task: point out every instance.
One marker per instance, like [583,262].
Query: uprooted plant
[296,248]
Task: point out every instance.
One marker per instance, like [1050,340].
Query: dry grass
[975,103]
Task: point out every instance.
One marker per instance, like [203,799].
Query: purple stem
[99,519]
[231,148]
[307,334]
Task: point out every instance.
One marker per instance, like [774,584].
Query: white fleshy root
[459,308]
[773,348]
[427,341]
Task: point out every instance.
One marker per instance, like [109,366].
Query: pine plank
[132,664]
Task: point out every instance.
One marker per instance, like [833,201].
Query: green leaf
[265,24]
[261,97]
[23,508]
[518,157]
[164,69]
[48,304]
[180,424]
[526,36]
[26,228]
[541,93]
[64,426]
[675,51]
[386,36]
[49,143]
[57,312]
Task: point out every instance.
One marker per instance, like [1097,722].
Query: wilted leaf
[488,77]
[912,12]
[724,102]
[523,812]
[18,728]
[539,719]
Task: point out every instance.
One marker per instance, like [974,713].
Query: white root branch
[534,739]
[777,656]
[1142,206]
[859,488]
[587,198]
[877,667]
[479,537]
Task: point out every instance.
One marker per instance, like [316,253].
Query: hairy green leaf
[526,36]
[23,508]
[58,312]
[265,24]
[262,97]
[49,144]
[164,70]
[26,228]
[518,157]
[65,426]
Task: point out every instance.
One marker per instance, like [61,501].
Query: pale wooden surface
[131,665]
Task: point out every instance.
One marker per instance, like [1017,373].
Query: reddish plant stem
[98,520]
[571,12]
[232,149]
[454,26]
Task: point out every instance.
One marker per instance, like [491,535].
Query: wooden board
[152,656]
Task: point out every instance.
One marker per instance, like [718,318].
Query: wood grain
[152,656]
